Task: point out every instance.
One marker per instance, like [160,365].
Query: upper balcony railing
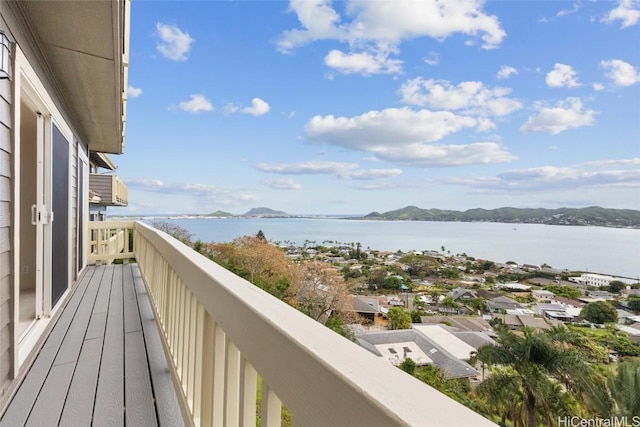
[221,333]
[110,189]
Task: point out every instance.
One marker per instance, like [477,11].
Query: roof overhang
[85,46]
[102,160]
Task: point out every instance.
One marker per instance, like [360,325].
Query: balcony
[222,337]
[107,190]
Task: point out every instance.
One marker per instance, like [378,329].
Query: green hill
[593,215]
[220,214]
[265,212]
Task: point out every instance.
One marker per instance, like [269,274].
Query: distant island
[593,216]
[252,213]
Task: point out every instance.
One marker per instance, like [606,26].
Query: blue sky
[321,107]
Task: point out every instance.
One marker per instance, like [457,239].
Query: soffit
[83,43]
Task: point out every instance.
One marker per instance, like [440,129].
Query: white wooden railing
[109,240]
[221,333]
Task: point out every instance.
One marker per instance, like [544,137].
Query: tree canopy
[541,375]
[599,312]
[399,318]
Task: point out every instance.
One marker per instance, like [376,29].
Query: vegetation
[541,375]
[399,318]
[563,291]
[532,378]
[633,302]
[625,388]
[593,215]
[599,312]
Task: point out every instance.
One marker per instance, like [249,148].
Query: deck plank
[116,371]
[131,313]
[78,409]
[109,404]
[72,343]
[167,406]
[24,399]
[48,407]
[140,409]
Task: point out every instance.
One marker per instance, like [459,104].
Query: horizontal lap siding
[6,290]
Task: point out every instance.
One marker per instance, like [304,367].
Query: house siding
[103,185]
[6,288]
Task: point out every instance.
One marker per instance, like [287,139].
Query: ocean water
[613,251]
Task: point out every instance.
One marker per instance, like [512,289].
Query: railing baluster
[232,385]
[208,344]
[198,369]
[218,376]
[249,394]
[271,413]
[193,331]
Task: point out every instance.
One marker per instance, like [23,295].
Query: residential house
[461,323]
[450,354]
[518,321]
[105,188]
[502,304]
[519,287]
[541,295]
[625,317]
[63,93]
[462,294]
[366,307]
[556,312]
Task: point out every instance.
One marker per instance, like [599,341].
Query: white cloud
[336,169]
[196,104]
[627,11]
[404,136]
[433,58]
[282,184]
[621,73]
[565,115]
[437,155]
[379,27]
[562,75]
[598,86]
[618,162]
[258,107]
[197,190]
[373,174]
[308,168]
[399,126]
[550,178]
[174,44]
[574,8]
[467,97]
[362,63]
[319,21]
[505,72]
[133,92]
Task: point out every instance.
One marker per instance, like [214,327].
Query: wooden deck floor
[103,362]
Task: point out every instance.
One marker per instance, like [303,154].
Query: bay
[614,251]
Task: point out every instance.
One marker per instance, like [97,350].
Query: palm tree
[625,387]
[544,373]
